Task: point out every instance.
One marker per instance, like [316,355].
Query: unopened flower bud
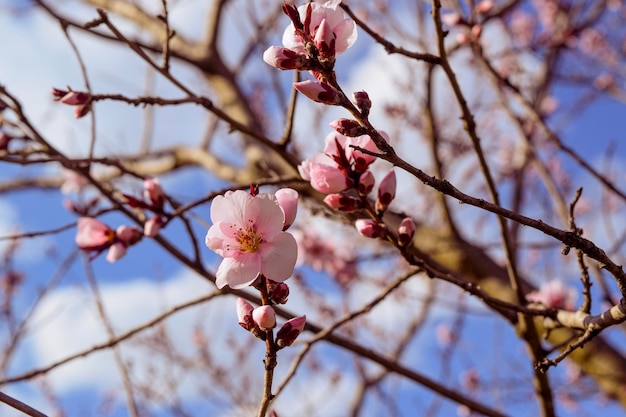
[348,127]
[288,201]
[325,41]
[484,6]
[363,102]
[128,235]
[152,191]
[366,183]
[264,317]
[244,314]
[152,226]
[74,98]
[341,202]
[286,59]
[82,110]
[476,31]
[116,251]
[386,192]
[319,92]
[58,94]
[290,331]
[406,231]
[370,228]
[279,292]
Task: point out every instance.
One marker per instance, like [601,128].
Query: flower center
[249,239]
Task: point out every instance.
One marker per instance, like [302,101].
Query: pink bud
[116,251]
[348,127]
[406,231]
[93,235]
[450,19]
[370,228]
[285,59]
[128,235]
[363,102]
[341,202]
[484,6]
[74,98]
[476,31]
[288,202]
[366,183]
[152,191]
[58,94]
[152,226]
[328,179]
[319,92]
[264,317]
[325,41]
[290,331]
[82,110]
[244,314]
[386,191]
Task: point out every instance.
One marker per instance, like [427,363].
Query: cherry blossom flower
[244,314]
[343,30]
[247,232]
[152,191]
[554,294]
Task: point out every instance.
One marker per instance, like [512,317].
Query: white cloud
[67,322]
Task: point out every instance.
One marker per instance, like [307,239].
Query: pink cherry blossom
[554,294]
[93,235]
[247,232]
[343,30]
[128,235]
[406,231]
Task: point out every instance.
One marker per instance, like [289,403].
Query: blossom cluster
[94,236]
[317,34]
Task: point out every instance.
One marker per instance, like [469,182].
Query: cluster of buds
[80,99]
[154,201]
[317,34]
[261,320]
[470,29]
[94,237]
[341,168]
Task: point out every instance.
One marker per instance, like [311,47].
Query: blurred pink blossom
[247,232]
[554,294]
[93,235]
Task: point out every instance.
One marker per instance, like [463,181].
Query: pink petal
[346,34]
[238,272]
[266,215]
[230,208]
[278,258]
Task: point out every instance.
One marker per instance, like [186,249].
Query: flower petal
[278,258]
[238,272]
